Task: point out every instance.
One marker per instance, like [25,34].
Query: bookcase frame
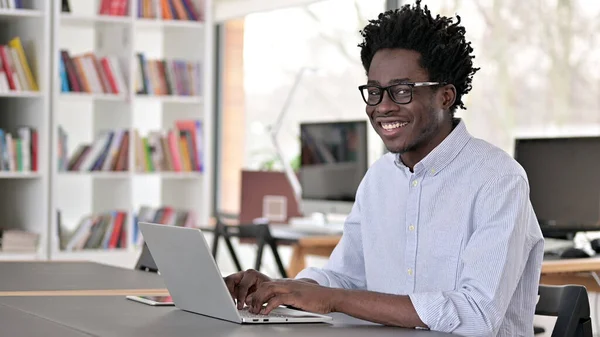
[39,195]
[24,195]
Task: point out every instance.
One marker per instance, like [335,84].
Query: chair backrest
[570,305]
[227,225]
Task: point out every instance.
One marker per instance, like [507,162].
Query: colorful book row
[176,150]
[97,231]
[109,152]
[19,154]
[11,4]
[167,77]
[91,74]
[15,73]
[165,215]
[168,10]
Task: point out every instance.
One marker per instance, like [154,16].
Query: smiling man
[442,234]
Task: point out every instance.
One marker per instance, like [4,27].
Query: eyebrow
[393,81]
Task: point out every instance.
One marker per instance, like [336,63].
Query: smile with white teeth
[393,125]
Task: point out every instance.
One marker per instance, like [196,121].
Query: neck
[411,158]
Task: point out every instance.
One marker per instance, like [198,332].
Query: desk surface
[53,276]
[15,322]
[117,316]
[571,265]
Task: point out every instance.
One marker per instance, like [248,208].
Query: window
[539,65]
[316,44]
[263,55]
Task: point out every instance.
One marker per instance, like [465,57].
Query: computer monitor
[564,179]
[332,165]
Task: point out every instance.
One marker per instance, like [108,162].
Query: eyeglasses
[400,93]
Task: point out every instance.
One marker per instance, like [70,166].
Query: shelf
[159,24]
[172,99]
[95,174]
[78,96]
[19,175]
[19,14]
[171,175]
[22,94]
[18,256]
[87,20]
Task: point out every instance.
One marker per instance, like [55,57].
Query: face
[415,127]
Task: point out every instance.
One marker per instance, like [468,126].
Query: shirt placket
[412,222]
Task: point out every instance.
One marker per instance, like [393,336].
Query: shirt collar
[445,152]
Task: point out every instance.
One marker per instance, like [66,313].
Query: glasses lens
[371,95]
[400,93]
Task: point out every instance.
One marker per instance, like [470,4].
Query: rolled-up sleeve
[493,259]
[345,267]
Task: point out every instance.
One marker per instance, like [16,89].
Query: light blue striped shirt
[459,236]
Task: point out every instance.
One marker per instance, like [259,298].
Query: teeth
[393,125]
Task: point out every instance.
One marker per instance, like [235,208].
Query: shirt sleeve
[345,267]
[494,260]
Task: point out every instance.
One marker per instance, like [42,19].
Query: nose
[386,105]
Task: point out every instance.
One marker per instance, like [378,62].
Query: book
[19,150]
[91,74]
[11,4]
[178,149]
[65,6]
[164,215]
[104,230]
[167,77]
[15,73]
[108,152]
[114,7]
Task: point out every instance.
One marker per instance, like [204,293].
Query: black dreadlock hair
[445,53]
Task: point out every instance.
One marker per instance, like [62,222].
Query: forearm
[386,309]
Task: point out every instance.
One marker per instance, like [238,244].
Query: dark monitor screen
[564,179]
[333,159]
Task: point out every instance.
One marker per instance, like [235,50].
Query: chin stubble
[425,134]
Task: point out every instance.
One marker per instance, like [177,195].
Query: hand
[302,295]
[244,283]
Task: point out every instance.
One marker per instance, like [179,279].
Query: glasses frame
[412,85]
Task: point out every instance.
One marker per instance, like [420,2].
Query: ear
[447,96]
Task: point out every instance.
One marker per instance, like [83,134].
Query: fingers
[264,293]
[232,281]
[275,301]
[249,281]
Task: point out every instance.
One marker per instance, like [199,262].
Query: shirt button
[415,183]
[432,171]
[410,272]
[411,228]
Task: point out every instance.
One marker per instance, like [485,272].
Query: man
[442,234]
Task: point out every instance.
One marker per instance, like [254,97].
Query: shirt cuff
[436,311]
[315,274]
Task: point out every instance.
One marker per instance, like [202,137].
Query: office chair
[570,304]
[259,233]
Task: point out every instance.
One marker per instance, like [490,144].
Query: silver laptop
[195,283]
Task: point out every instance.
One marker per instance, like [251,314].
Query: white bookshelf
[24,195]
[83,116]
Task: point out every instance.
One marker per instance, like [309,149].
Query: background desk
[305,243]
[572,271]
[83,278]
[116,316]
